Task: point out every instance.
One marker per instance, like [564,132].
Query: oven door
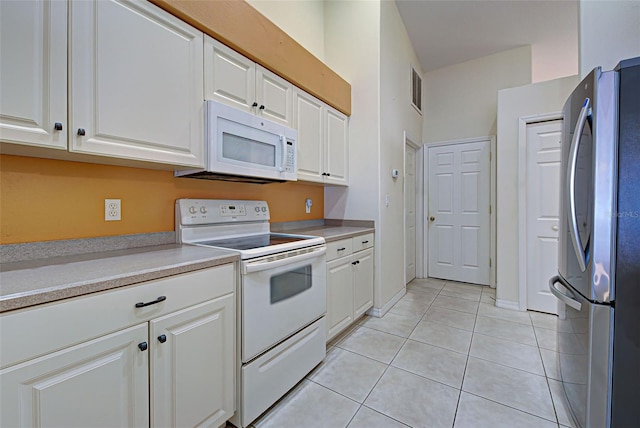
[281,294]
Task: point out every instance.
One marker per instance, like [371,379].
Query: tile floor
[443,356]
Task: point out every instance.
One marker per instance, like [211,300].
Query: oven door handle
[260,266]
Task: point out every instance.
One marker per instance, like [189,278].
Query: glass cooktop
[254,241]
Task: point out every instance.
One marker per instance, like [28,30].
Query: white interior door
[459,218]
[542,201]
[410,212]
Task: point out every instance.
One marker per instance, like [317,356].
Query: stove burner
[254,241]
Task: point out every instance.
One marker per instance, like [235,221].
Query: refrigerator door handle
[571,184]
[567,300]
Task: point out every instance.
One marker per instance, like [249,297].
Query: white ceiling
[446,32]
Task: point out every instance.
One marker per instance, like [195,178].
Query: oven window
[246,150]
[290,283]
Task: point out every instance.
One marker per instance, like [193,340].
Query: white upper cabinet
[136,83]
[229,77]
[323,141]
[33,86]
[234,79]
[129,74]
[336,148]
[308,122]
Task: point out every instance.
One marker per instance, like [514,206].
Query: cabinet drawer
[362,242]
[39,330]
[338,249]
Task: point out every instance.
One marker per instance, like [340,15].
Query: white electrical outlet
[112,209]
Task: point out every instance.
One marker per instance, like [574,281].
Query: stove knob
[192,210]
[264,209]
[203,210]
[257,209]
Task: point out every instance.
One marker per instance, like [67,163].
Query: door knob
[432,218]
[554,228]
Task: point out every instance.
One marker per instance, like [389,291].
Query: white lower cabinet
[102,382]
[349,282]
[100,360]
[192,368]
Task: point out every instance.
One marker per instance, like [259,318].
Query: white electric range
[281,296]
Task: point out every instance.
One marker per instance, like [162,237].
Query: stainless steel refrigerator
[598,279]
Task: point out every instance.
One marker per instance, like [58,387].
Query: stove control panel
[233,210]
[215,211]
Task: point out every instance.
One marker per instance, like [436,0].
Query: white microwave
[240,146]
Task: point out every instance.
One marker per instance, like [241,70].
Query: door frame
[420,268]
[523,122]
[491,139]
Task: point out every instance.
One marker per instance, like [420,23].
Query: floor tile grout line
[385,415]
[428,378]
[437,346]
[337,392]
[504,365]
[464,372]
[365,356]
[389,365]
[508,406]
[553,403]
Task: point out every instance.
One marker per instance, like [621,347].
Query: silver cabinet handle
[571,184]
[569,301]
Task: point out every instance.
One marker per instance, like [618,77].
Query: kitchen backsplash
[44,199]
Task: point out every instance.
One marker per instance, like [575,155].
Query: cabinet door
[308,122]
[363,283]
[33,41]
[228,76]
[101,383]
[136,76]
[339,296]
[193,365]
[336,155]
[274,97]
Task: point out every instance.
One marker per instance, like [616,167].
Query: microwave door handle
[571,184]
[251,267]
[283,144]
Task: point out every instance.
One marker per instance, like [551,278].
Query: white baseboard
[379,312]
[508,304]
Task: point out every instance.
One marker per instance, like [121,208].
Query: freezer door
[584,356]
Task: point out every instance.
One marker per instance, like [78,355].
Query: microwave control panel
[290,165]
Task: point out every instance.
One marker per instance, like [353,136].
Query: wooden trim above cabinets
[238,25]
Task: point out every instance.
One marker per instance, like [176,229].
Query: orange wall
[43,199]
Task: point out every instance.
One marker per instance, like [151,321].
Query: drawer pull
[162,338]
[143,346]
[357,262]
[341,249]
[158,300]
[365,242]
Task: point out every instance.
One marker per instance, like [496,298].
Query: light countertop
[34,282]
[333,233]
